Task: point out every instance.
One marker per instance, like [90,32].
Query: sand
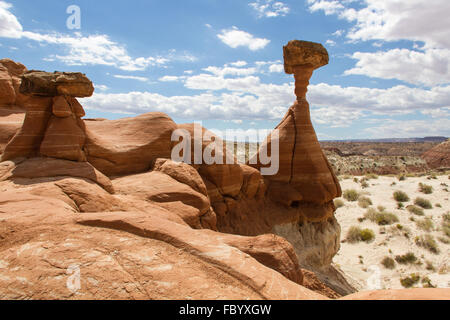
[367,272]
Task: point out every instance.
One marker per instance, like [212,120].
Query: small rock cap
[41,83]
[297,53]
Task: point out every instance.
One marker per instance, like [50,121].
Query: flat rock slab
[47,84]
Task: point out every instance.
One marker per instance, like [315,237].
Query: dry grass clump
[426,282]
[427,241]
[338,203]
[425,224]
[364,202]
[400,196]
[415,210]
[400,230]
[356,234]
[407,258]
[351,195]
[371,176]
[424,188]
[410,281]
[380,217]
[424,203]
[388,263]
[446,224]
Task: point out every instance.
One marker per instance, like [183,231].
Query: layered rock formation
[105,198]
[438,156]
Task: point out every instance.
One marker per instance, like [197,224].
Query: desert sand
[361,261]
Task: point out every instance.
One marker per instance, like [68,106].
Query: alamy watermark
[74,19]
[73,282]
[213,152]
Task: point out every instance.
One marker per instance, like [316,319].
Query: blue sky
[220,62]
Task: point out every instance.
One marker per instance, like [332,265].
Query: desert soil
[361,261]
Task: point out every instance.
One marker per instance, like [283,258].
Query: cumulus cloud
[10,27]
[387,20]
[270,8]
[170,78]
[430,67]
[237,38]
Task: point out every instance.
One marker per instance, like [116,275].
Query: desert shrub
[444,240]
[400,205]
[364,184]
[356,234]
[355,180]
[351,195]
[388,263]
[364,202]
[393,184]
[400,196]
[446,224]
[401,177]
[407,258]
[381,218]
[424,188]
[426,283]
[381,208]
[429,266]
[371,176]
[424,203]
[416,210]
[425,224]
[438,205]
[410,281]
[338,203]
[427,241]
[400,230]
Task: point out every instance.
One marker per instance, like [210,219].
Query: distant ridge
[387,140]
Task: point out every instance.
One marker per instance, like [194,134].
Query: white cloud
[388,20]
[142,79]
[430,67]
[236,38]
[101,87]
[330,42]
[169,79]
[218,71]
[238,64]
[276,67]
[10,27]
[270,8]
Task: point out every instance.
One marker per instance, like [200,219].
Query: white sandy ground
[371,274]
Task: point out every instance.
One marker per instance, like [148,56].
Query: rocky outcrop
[129,145]
[438,156]
[52,126]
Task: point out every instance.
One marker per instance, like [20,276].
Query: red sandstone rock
[46,84]
[128,145]
[10,79]
[438,156]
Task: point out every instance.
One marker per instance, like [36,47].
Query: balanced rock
[46,84]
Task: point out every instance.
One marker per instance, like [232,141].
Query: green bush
[408,282]
[424,203]
[427,241]
[425,224]
[380,218]
[400,196]
[416,210]
[424,188]
[356,234]
[408,258]
[338,203]
[388,263]
[364,202]
[351,195]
